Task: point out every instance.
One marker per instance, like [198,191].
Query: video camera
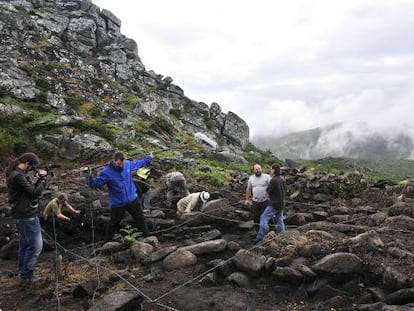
[48,168]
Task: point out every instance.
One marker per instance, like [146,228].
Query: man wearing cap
[192,202]
[24,196]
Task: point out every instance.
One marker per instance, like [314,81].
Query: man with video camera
[24,196]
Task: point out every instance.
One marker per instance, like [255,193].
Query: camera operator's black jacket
[24,194]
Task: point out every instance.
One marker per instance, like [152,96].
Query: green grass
[18,132]
[393,169]
[374,169]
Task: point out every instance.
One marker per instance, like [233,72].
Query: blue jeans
[30,245]
[267,214]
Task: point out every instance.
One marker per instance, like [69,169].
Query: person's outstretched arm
[70,207]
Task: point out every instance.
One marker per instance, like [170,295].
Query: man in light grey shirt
[256,195]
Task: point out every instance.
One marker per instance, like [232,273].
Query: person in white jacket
[192,202]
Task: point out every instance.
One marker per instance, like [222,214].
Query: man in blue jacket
[117,175]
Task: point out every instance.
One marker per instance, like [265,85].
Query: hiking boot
[34,280]
[37,279]
[256,240]
[118,238]
[24,282]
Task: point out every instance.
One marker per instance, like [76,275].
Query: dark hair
[62,197]
[276,168]
[28,157]
[119,156]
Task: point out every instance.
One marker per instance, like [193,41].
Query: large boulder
[237,129]
[339,264]
[179,259]
[82,145]
[249,262]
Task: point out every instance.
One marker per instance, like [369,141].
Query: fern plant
[131,234]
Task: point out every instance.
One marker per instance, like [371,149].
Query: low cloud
[285,66]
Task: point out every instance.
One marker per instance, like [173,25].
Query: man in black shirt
[276,192]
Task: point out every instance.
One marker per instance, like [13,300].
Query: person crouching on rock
[176,188]
[55,206]
[192,202]
[123,197]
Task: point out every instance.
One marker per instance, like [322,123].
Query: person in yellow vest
[143,188]
[55,206]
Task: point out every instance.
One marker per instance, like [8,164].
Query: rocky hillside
[348,246]
[72,86]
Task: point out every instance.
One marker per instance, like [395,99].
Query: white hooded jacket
[189,202]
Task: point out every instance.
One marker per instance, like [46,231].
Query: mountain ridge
[339,140]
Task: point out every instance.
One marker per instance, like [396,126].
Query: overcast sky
[283,66]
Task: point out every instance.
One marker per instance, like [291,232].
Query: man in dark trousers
[117,175]
[144,193]
[256,195]
[276,192]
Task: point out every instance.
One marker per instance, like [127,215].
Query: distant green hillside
[374,169]
[339,140]
[388,168]
[295,145]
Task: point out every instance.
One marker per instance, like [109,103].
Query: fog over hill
[355,140]
[283,66]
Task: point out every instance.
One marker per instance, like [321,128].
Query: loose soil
[167,290]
